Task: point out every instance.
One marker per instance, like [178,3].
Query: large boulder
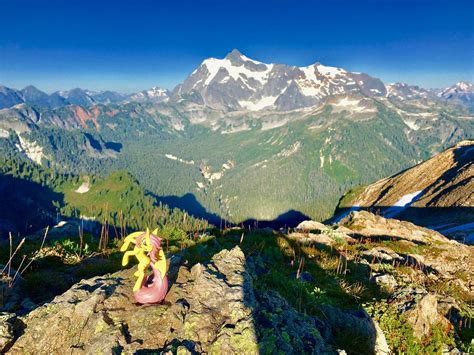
[356,327]
[425,315]
[370,225]
[211,307]
[311,226]
[424,248]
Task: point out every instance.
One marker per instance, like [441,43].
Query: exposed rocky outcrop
[425,315]
[362,327]
[417,268]
[311,232]
[328,239]
[385,281]
[311,226]
[446,180]
[420,273]
[211,307]
[425,248]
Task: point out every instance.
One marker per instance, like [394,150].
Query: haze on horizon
[128,47]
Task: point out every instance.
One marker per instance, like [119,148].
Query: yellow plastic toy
[147,250]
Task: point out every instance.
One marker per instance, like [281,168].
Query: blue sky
[132,45]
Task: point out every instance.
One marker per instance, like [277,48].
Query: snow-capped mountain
[240,83]
[460,93]
[154,94]
[460,88]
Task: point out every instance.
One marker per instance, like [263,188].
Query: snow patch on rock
[178,126]
[173,157]
[200,185]
[352,105]
[214,176]
[214,65]
[266,101]
[403,203]
[330,71]
[412,125]
[407,199]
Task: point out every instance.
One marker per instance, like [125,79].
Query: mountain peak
[31,88]
[234,53]
[464,85]
[462,91]
[235,57]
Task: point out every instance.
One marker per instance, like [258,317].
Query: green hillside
[33,196]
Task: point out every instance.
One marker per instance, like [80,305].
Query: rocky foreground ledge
[216,307]
[209,308]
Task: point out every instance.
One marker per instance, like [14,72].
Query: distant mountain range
[32,96]
[35,97]
[240,139]
[240,83]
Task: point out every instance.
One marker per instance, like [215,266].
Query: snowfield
[407,199]
[351,105]
[265,101]
[214,65]
[403,203]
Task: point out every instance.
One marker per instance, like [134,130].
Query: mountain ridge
[437,193]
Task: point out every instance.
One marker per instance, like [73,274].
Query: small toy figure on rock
[149,254]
